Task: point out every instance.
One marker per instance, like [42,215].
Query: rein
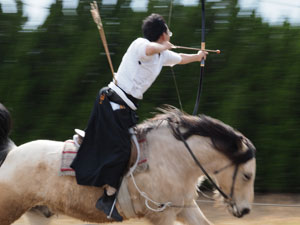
[243,158]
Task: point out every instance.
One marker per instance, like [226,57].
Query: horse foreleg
[12,205]
[193,216]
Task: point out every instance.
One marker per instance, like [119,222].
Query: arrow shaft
[197,49]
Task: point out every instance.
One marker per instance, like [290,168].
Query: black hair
[5,127]
[153,27]
[5,123]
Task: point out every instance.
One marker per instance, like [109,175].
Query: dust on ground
[260,215]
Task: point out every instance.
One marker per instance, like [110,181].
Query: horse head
[235,171]
[237,180]
[231,161]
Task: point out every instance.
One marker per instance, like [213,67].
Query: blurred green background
[49,77]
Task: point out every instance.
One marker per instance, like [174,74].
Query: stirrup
[107,204]
[81,133]
[78,137]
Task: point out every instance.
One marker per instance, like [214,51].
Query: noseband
[237,161]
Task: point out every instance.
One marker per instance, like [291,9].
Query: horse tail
[5,127]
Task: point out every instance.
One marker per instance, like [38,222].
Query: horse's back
[31,162]
[35,152]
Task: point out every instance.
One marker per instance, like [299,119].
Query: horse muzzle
[239,213]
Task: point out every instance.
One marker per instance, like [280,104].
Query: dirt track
[260,215]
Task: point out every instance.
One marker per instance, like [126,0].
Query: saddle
[71,147]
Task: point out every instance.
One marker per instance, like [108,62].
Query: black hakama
[105,151]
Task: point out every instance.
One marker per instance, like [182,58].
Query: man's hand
[202,55]
[188,58]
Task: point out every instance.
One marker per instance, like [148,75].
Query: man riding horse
[104,153]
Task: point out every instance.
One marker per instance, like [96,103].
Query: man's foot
[105,204]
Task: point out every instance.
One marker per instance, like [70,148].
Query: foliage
[49,77]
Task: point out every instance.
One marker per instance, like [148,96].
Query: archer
[104,154]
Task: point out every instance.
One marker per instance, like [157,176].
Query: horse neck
[170,153]
[209,158]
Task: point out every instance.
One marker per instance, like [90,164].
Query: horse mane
[224,138]
[5,127]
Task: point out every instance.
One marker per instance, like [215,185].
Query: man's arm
[154,47]
[188,58]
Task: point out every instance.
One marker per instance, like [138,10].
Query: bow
[195,111]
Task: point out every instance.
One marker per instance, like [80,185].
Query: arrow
[197,49]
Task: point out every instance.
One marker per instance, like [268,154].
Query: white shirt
[138,71]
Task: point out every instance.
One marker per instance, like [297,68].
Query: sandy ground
[260,215]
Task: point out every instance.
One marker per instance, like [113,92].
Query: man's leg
[107,203]
[110,190]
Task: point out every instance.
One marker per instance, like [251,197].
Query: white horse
[29,174]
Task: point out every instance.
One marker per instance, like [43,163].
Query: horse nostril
[245,211]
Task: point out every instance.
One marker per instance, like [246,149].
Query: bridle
[238,160]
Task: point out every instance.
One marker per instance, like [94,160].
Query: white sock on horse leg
[110,190]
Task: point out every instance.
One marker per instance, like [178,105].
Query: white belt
[122,95]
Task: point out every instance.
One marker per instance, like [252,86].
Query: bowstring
[172,70]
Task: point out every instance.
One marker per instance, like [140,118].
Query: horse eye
[247,176]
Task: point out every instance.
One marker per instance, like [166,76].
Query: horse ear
[228,146]
[244,157]
[240,140]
